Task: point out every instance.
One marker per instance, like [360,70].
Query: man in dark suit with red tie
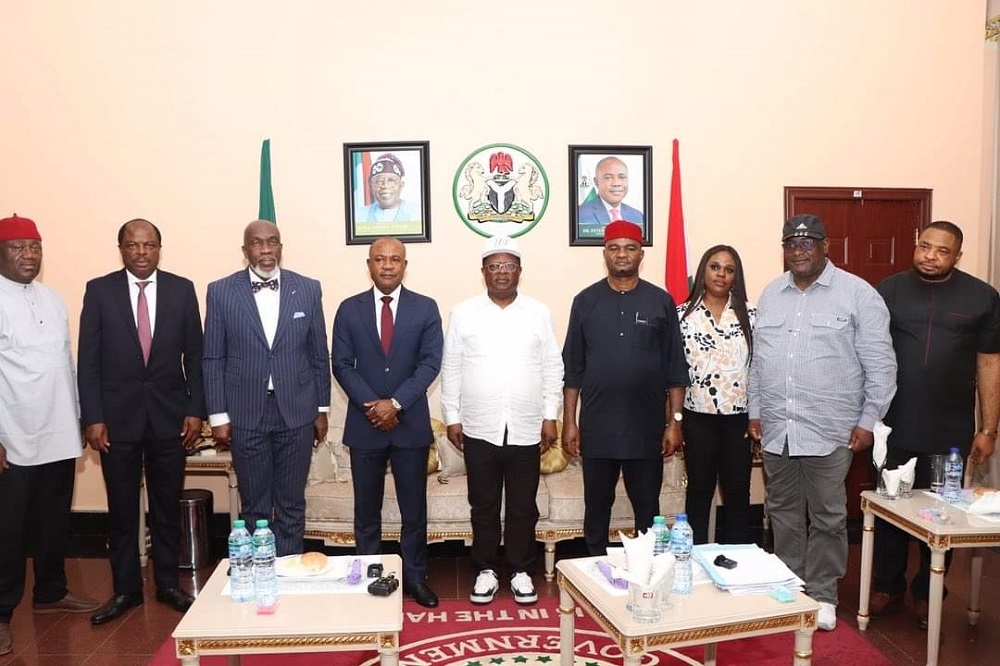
[267,381]
[387,344]
[142,406]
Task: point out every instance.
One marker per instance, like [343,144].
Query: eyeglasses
[132,246]
[261,242]
[508,266]
[20,248]
[802,245]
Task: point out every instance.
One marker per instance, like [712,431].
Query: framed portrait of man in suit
[387,191]
[609,183]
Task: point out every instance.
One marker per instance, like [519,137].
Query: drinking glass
[937,472]
[906,487]
[646,602]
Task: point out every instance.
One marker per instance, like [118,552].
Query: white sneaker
[523,588]
[827,618]
[486,587]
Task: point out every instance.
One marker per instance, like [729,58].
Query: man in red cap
[39,430]
[625,366]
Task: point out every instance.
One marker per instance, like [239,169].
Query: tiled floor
[70,640]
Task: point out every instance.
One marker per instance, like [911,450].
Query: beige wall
[110,110]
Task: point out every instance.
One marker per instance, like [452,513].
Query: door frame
[921,196]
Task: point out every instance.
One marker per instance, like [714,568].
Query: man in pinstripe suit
[267,381]
[387,344]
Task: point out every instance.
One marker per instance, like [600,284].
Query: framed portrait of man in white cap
[387,191]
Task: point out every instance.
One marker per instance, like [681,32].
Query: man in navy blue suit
[611,181]
[387,344]
[267,381]
[141,406]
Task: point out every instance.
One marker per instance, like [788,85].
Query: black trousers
[642,477]
[507,474]
[716,450]
[122,467]
[35,503]
[409,472]
[892,544]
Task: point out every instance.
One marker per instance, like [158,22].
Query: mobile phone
[724,562]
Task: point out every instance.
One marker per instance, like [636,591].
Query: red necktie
[615,215]
[386,324]
[142,321]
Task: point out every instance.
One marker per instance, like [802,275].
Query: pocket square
[298,315]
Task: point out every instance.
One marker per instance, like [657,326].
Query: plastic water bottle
[681,543]
[240,563]
[953,469]
[661,535]
[265,577]
[661,544]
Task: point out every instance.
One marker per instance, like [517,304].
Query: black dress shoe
[116,607]
[423,595]
[175,597]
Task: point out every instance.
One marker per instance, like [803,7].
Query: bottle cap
[262,523]
[682,516]
[238,523]
[659,520]
[954,449]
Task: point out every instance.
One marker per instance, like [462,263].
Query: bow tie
[271,284]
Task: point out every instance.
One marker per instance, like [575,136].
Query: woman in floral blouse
[717,326]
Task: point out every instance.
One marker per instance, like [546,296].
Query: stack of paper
[756,571]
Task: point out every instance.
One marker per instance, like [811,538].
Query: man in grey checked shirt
[823,372]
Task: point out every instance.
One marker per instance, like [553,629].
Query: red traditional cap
[18,228]
[623,229]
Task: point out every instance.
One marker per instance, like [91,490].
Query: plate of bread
[305,565]
[985,502]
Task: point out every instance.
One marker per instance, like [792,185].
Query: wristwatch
[988,432]
[678,416]
[395,403]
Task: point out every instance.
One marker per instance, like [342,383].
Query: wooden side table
[704,617]
[961,531]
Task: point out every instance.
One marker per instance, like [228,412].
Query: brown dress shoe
[68,604]
[6,638]
[882,602]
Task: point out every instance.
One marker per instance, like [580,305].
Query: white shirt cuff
[216,420]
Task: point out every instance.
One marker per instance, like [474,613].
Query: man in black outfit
[625,364]
[945,327]
[142,405]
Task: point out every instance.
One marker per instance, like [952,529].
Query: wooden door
[872,233]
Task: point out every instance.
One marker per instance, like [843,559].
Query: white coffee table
[704,617]
[961,531]
[329,622]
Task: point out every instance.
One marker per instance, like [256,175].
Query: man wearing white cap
[501,388]
[39,430]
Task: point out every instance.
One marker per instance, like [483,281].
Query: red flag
[677,275]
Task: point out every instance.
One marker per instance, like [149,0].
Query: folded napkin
[638,556]
[908,469]
[879,451]
[663,568]
[890,480]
